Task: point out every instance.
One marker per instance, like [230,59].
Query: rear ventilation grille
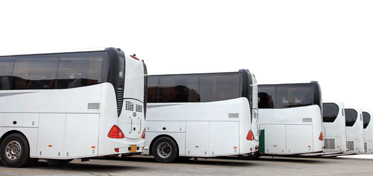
[329,143]
[138,108]
[129,106]
[119,99]
[350,145]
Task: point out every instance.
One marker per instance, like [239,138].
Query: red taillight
[250,136]
[321,137]
[115,132]
[116,149]
[143,134]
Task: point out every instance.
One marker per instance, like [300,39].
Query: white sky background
[281,41]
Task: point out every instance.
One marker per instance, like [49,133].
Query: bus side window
[34,72]
[79,69]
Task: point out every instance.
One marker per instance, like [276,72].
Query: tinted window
[222,87]
[366,119]
[293,96]
[80,69]
[285,95]
[178,89]
[193,88]
[34,72]
[351,116]
[6,66]
[330,112]
[265,96]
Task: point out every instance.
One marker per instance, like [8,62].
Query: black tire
[165,150]
[14,151]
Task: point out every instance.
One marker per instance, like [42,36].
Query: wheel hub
[13,150]
[164,150]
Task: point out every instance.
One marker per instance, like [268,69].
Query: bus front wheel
[165,150]
[14,151]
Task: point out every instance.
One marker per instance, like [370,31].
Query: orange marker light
[275,145]
[49,145]
[197,146]
[93,146]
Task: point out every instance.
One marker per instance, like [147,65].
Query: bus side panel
[81,140]
[275,144]
[228,131]
[299,138]
[51,135]
[197,139]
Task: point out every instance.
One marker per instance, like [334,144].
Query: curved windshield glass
[366,119]
[330,112]
[351,116]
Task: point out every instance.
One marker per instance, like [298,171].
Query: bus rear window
[330,112]
[351,116]
[366,119]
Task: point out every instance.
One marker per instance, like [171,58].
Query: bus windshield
[366,119]
[330,112]
[351,116]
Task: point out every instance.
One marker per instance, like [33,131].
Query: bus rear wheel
[14,151]
[165,150]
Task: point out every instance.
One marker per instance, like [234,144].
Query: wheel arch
[13,132]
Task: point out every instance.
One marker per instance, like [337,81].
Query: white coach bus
[335,127]
[61,106]
[368,131]
[354,131]
[201,115]
[290,119]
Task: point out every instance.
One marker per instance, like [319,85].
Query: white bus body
[368,131]
[354,131]
[335,127]
[62,106]
[201,115]
[290,119]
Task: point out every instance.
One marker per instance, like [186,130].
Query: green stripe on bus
[261,142]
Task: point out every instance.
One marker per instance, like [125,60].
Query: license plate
[133,148]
